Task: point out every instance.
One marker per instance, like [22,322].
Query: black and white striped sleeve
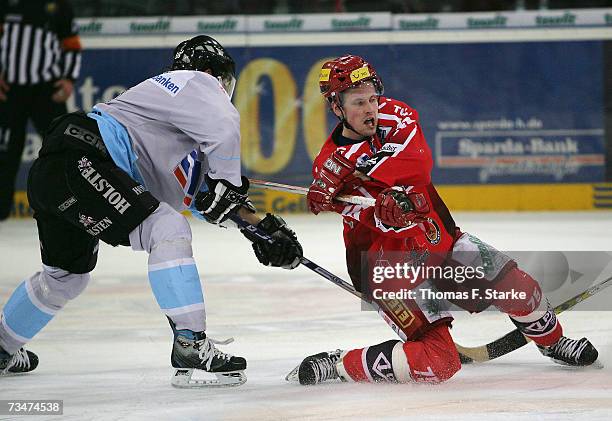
[70,43]
[71,61]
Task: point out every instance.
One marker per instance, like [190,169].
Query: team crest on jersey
[432,231]
[187,173]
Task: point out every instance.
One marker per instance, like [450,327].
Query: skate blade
[4,373]
[293,375]
[182,379]
[597,365]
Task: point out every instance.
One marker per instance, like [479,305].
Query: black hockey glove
[221,200]
[285,252]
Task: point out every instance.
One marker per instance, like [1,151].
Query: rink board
[522,109]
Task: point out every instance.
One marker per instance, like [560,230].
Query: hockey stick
[515,339]
[511,341]
[474,354]
[269,185]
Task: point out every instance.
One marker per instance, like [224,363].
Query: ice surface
[107,353]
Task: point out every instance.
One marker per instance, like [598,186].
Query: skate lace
[208,350]
[19,359]
[325,368]
[570,348]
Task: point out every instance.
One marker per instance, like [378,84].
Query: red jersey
[397,155]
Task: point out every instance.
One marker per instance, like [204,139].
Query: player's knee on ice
[431,359]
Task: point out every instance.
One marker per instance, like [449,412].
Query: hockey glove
[335,175]
[285,252]
[397,208]
[221,200]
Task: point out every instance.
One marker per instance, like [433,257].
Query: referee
[40,57]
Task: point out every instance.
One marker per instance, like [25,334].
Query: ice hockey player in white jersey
[122,174]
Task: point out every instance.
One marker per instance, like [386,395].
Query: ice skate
[572,352]
[194,352]
[21,362]
[316,368]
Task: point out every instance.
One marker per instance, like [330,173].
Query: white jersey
[181,125]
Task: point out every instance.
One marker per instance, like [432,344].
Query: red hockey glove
[336,174]
[397,208]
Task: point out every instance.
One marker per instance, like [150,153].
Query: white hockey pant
[173,275]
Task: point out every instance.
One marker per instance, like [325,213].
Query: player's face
[360,106]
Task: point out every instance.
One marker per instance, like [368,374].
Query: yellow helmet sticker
[324,75]
[361,73]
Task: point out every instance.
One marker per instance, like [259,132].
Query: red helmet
[345,72]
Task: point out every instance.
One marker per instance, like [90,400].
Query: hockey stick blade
[515,339]
[270,185]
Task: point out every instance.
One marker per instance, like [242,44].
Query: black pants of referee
[23,104]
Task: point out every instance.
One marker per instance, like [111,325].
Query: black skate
[20,362]
[316,368]
[193,351]
[571,352]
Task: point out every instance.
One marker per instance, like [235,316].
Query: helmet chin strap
[346,124]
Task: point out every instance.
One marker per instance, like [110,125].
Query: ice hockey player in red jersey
[378,150]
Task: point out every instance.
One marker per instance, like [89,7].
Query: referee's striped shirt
[39,42]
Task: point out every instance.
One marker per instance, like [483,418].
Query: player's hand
[285,252]
[63,90]
[337,173]
[221,200]
[4,88]
[398,208]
